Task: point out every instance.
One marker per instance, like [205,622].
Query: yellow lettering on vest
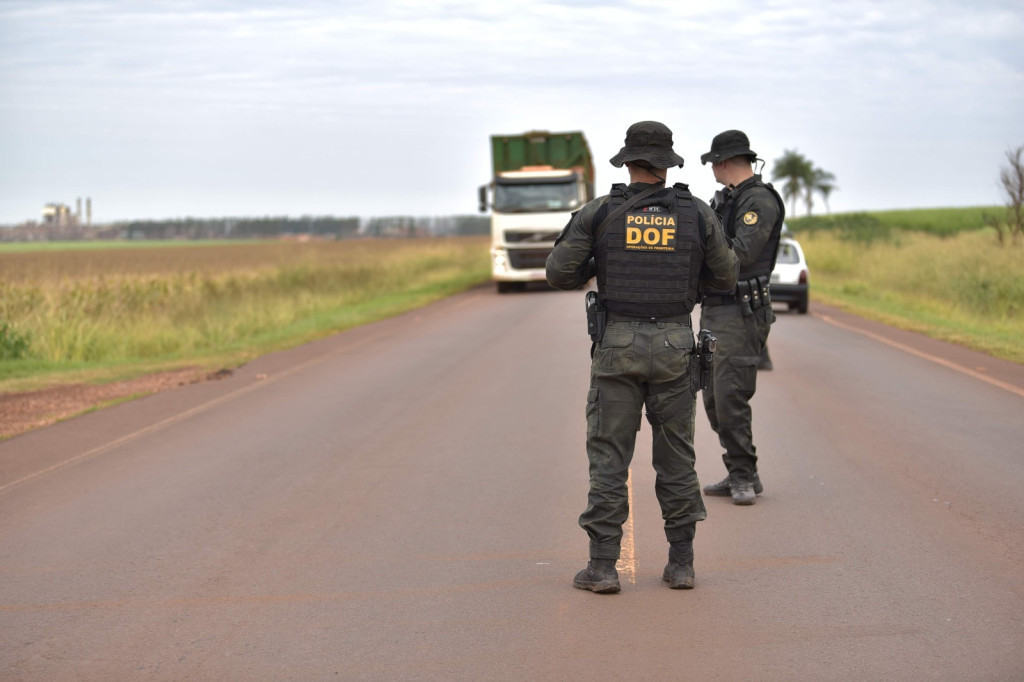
[651,231]
[638,219]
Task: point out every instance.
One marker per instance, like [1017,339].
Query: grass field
[915,270]
[99,314]
[882,224]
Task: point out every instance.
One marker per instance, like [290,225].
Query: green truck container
[541,148]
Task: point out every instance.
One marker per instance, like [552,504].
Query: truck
[539,179]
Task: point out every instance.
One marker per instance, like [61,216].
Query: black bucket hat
[727,145]
[648,141]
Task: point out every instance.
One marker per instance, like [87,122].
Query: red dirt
[21,412]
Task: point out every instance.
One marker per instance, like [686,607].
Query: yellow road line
[921,354]
[258,383]
[132,436]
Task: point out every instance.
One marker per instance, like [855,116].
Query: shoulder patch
[749,218]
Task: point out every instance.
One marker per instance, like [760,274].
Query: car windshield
[546,196]
[787,254]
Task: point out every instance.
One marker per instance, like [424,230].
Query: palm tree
[796,171]
[824,184]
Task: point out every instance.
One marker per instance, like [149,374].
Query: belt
[710,301]
[618,317]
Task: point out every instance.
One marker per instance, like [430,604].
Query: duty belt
[755,292]
[619,317]
[709,301]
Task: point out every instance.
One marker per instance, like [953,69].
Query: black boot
[743,493]
[723,487]
[679,571]
[599,576]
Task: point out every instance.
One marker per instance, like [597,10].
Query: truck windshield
[522,197]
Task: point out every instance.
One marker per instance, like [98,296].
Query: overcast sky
[170,108]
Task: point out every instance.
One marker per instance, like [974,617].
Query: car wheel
[504,287]
[802,306]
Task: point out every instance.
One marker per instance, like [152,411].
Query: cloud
[273,102]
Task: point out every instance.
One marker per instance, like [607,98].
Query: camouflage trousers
[742,335]
[638,365]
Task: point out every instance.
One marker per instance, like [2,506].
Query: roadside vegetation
[88,312]
[942,272]
[93,314]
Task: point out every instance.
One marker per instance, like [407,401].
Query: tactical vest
[649,259]
[765,261]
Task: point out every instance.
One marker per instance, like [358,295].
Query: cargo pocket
[744,371]
[766,319]
[615,353]
[678,350]
[593,412]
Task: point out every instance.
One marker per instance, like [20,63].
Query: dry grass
[963,288]
[112,312]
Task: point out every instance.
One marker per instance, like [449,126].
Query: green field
[936,271]
[882,224]
[70,314]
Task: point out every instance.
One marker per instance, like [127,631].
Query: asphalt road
[400,502]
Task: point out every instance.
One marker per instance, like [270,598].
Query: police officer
[650,246]
[740,317]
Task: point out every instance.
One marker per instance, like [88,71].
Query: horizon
[483,216]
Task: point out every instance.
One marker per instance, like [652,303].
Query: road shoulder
[1003,373]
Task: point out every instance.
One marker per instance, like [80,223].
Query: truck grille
[528,259]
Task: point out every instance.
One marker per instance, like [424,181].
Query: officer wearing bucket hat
[652,248]
[740,317]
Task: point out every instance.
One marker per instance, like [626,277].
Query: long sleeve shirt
[755,214]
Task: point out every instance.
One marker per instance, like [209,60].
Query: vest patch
[651,231]
[749,217]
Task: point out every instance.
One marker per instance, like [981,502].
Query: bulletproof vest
[765,261]
[649,259]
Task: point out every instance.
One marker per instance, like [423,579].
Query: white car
[789,278]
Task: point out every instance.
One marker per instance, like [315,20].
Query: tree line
[319,227]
